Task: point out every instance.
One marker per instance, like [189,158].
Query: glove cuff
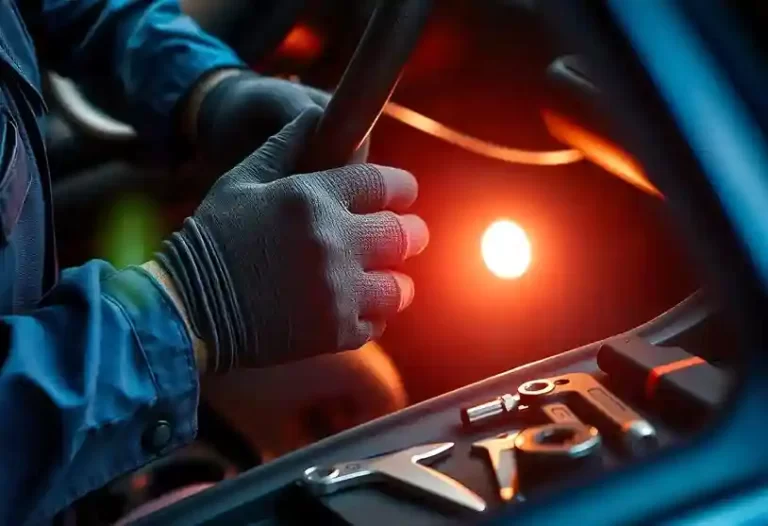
[190,258]
[187,118]
[210,98]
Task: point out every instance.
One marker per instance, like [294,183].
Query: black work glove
[273,267]
[244,110]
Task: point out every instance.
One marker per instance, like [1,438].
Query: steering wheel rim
[85,115]
[368,82]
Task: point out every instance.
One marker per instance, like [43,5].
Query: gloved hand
[243,110]
[273,268]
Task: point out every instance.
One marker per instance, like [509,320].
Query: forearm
[152,52]
[97,381]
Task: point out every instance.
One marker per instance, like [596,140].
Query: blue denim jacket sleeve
[89,380]
[151,49]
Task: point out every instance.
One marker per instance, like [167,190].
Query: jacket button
[157,437]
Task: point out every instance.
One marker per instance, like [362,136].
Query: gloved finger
[278,156]
[289,100]
[363,332]
[374,328]
[384,294]
[369,188]
[386,239]
[318,96]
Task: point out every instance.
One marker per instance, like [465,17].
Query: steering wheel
[362,93]
[369,80]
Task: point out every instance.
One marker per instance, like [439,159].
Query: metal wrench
[611,414]
[402,468]
[544,447]
[501,454]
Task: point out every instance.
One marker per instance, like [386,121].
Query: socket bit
[488,411]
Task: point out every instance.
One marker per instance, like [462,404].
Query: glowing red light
[301,43]
[506,249]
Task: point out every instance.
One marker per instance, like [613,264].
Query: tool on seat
[501,454]
[595,404]
[537,452]
[554,452]
[559,413]
[679,383]
[488,411]
[401,468]
[557,442]
[508,405]
[583,393]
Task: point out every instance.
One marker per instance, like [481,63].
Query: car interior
[587,338]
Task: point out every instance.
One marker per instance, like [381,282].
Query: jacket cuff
[141,375]
[171,420]
[166,60]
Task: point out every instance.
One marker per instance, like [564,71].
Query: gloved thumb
[279,156]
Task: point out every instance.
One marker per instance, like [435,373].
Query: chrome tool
[501,454]
[492,410]
[595,404]
[401,468]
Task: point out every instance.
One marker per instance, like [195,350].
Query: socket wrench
[595,404]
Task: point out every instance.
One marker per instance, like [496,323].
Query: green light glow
[131,231]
